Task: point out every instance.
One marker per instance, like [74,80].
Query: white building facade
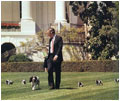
[33,16]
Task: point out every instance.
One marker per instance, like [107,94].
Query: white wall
[43,13]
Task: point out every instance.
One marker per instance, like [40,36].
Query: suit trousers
[54,66]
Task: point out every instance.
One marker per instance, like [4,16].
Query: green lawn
[68,91]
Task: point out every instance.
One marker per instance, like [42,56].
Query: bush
[19,58]
[83,66]
[22,67]
[73,34]
[91,66]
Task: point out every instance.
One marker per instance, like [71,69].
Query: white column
[60,12]
[26,10]
[27,23]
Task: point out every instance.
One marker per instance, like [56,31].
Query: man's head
[51,32]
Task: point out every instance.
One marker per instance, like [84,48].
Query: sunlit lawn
[68,91]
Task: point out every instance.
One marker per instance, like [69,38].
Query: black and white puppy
[116,80]
[23,82]
[98,82]
[34,80]
[9,82]
[80,84]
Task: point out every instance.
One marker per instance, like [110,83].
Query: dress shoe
[57,87]
[51,88]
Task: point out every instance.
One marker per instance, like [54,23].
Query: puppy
[23,82]
[9,82]
[116,80]
[98,82]
[34,80]
[80,84]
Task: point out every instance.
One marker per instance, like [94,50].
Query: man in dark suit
[55,59]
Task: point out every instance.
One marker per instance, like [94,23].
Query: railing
[8,26]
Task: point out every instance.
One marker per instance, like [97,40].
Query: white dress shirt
[53,39]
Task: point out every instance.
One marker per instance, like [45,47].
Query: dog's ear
[6,81]
[35,78]
[30,80]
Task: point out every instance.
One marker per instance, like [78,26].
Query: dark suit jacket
[58,44]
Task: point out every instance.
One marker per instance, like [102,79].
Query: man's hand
[55,58]
[46,69]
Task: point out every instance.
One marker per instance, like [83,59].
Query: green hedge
[91,66]
[83,66]
[22,67]
[19,58]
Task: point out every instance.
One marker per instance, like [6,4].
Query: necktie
[52,46]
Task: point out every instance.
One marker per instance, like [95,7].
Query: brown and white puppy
[116,80]
[34,80]
[23,82]
[80,84]
[9,82]
[98,82]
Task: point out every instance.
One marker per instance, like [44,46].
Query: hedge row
[22,67]
[91,66]
[83,66]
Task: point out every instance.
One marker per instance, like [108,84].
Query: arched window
[7,50]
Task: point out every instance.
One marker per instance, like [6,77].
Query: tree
[103,16]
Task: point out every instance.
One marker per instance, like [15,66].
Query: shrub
[82,66]
[91,66]
[73,34]
[22,67]
[19,58]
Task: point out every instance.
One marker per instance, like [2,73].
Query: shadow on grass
[99,94]
[38,89]
[102,95]
[68,88]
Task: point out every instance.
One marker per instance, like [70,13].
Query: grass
[68,91]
